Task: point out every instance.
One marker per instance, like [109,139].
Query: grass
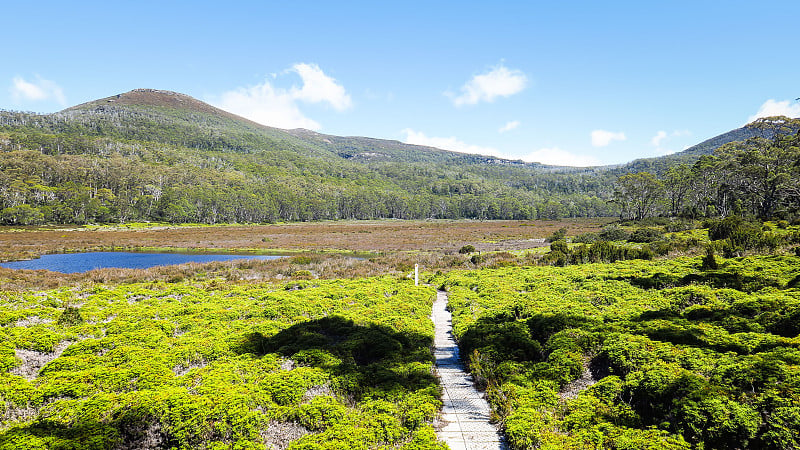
[354,236]
[386,247]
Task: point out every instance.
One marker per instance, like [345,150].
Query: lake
[84,262]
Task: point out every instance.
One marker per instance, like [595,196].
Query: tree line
[142,166]
[758,177]
[138,164]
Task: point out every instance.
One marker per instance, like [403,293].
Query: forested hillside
[150,155]
[758,177]
[767,128]
[160,156]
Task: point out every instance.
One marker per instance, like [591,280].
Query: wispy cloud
[772,108]
[658,138]
[601,138]
[508,126]
[446,143]
[558,157]
[37,90]
[278,107]
[498,82]
[662,137]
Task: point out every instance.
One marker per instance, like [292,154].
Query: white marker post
[416,274]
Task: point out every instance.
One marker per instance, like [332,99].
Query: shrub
[469,248]
[558,235]
[70,316]
[679,225]
[644,235]
[734,228]
[613,233]
[303,275]
[709,261]
[559,246]
[586,238]
[655,221]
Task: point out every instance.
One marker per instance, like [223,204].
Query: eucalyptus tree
[638,194]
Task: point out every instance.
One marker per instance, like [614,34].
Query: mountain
[159,99]
[158,155]
[153,155]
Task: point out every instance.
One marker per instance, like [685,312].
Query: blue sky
[575,83]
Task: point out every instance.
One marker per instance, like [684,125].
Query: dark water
[83,262]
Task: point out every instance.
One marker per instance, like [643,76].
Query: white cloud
[498,82]
[446,143]
[772,108]
[509,126]
[601,138]
[37,90]
[557,157]
[266,105]
[278,107]
[658,138]
[320,88]
[662,136]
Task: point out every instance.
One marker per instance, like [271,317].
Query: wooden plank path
[465,414]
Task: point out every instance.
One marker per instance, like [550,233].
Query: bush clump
[557,235]
[70,316]
[467,249]
[613,233]
[645,235]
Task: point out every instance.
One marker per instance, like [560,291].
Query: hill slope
[765,128]
[159,155]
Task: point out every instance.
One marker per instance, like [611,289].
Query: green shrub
[303,275]
[586,238]
[561,233]
[644,235]
[613,233]
[469,248]
[679,225]
[69,317]
[709,261]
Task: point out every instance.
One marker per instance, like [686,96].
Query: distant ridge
[357,148]
[751,130]
[366,149]
[159,155]
[766,127]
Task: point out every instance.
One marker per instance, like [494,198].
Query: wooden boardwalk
[465,414]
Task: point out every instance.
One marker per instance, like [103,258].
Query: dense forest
[150,162]
[157,156]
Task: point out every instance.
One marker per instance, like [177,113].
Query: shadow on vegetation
[365,358]
[716,279]
[83,435]
[688,327]
[501,337]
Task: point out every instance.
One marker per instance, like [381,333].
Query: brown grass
[366,236]
[397,246]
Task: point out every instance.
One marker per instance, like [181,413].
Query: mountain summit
[161,99]
[154,155]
